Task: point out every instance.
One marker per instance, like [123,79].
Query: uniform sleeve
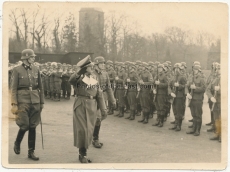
[14,87]
[164,84]
[40,86]
[201,88]
[208,90]
[109,90]
[73,79]
[150,79]
[100,100]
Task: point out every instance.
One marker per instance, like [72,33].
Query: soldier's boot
[175,125]
[220,138]
[53,95]
[217,134]
[212,129]
[173,122]
[119,111]
[212,121]
[199,124]
[178,128]
[109,112]
[18,141]
[82,156]
[193,130]
[143,118]
[161,121]
[68,96]
[191,126]
[45,94]
[191,120]
[48,95]
[146,117]
[31,144]
[157,121]
[122,112]
[132,115]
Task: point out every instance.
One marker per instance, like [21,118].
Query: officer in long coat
[88,99]
[27,99]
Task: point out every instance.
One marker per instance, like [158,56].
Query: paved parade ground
[124,141]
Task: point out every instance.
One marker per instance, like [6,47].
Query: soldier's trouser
[131,96]
[211,112]
[57,87]
[28,115]
[138,104]
[145,101]
[97,129]
[47,85]
[161,99]
[196,110]
[127,105]
[51,86]
[217,117]
[66,87]
[178,108]
[184,105]
[120,97]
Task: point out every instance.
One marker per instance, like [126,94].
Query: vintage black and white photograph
[115,85]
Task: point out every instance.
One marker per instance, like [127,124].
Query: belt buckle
[91,97]
[30,88]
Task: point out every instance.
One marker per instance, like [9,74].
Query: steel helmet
[27,53]
[184,64]
[99,59]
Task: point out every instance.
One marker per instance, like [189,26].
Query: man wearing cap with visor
[27,99]
[88,99]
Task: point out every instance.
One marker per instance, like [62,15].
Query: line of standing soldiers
[148,88]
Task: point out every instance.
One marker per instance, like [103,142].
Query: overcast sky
[153,17]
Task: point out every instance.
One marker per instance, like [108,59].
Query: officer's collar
[26,66]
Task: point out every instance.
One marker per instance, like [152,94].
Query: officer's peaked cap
[85,62]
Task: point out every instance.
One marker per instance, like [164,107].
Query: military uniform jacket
[199,82]
[132,85]
[104,82]
[210,91]
[162,88]
[112,75]
[65,76]
[178,91]
[147,79]
[210,78]
[120,83]
[57,76]
[23,78]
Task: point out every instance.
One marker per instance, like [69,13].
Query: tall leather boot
[158,120]
[193,130]
[146,118]
[217,134]
[129,115]
[18,141]
[175,125]
[161,121]
[212,120]
[212,129]
[178,128]
[132,115]
[68,96]
[122,112]
[143,118]
[48,95]
[82,156]
[119,111]
[197,133]
[31,144]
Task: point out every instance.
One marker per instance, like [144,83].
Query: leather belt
[28,88]
[89,97]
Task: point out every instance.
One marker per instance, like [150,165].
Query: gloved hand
[157,82]
[141,81]
[81,71]
[193,87]
[173,95]
[103,114]
[213,99]
[14,109]
[217,88]
[116,78]
[128,80]
[176,84]
[154,91]
[189,96]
